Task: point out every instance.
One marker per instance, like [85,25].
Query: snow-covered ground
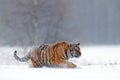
[96,63]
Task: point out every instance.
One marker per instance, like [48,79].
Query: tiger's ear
[78,44]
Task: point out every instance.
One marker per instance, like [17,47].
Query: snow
[96,63]
[84,73]
[99,55]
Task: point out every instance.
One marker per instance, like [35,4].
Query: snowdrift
[12,72]
[96,63]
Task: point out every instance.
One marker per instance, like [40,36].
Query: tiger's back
[47,55]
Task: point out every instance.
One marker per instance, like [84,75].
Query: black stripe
[66,55]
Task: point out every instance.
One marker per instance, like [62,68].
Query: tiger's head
[75,50]
[67,50]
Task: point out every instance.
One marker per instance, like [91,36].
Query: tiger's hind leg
[35,64]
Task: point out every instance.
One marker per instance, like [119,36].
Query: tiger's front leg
[70,65]
[66,64]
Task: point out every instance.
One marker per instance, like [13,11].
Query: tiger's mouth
[77,56]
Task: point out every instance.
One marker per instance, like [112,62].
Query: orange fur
[55,55]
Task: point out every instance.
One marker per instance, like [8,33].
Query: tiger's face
[75,50]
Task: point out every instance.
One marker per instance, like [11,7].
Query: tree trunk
[35,23]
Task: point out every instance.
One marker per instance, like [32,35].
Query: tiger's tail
[23,59]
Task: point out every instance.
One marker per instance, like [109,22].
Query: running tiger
[54,55]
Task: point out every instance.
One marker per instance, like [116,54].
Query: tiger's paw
[71,65]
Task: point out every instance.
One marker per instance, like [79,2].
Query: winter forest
[95,24]
[30,22]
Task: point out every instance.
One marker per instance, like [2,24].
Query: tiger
[52,55]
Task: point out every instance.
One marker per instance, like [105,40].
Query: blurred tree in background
[33,22]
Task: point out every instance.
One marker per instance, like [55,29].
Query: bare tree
[26,17]
[32,9]
[57,17]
